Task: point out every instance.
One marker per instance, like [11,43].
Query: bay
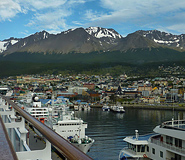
[109,128]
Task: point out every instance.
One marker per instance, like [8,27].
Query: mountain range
[92,39]
[90,48]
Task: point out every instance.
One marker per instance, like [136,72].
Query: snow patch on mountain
[99,32]
[70,30]
[45,35]
[162,41]
[164,38]
[4,44]
[24,44]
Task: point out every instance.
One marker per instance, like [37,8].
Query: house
[145,87]
[154,99]
[77,89]
[67,94]
[90,93]
[90,86]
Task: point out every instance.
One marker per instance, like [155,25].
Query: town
[102,89]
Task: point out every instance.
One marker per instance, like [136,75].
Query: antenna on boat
[172,99]
[137,135]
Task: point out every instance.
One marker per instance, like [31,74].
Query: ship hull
[83,147]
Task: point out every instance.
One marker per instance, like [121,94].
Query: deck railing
[67,149]
[169,146]
[176,124]
[6,147]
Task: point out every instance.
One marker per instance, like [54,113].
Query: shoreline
[147,106]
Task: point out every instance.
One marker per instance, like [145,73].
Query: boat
[85,107]
[81,106]
[62,122]
[76,107]
[71,128]
[35,108]
[165,143]
[106,108]
[117,108]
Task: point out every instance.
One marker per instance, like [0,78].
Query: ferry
[167,142]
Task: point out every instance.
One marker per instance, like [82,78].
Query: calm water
[108,128]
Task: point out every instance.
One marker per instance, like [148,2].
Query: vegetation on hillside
[135,62]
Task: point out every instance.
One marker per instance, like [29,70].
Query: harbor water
[109,128]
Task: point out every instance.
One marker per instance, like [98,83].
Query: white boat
[85,107]
[62,122]
[36,109]
[166,143]
[106,108]
[72,129]
[117,108]
[76,108]
[81,106]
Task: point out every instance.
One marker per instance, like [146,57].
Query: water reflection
[120,115]
[109,128]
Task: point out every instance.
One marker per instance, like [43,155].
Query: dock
[158,106]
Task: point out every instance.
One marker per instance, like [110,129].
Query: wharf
[164,106]
[155,106]
[96,106]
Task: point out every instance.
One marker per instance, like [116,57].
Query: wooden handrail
[69,151]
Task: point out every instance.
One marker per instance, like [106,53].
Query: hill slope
[87,49]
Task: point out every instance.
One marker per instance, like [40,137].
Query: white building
[78,90]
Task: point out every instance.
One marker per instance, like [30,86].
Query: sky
[21,18]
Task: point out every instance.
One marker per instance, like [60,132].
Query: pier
[15,142]
[153,106]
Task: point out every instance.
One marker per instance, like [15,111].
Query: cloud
[50,20]
[8,9]
[57,15]
[177,28]
[144,13]
[151,6]
[42,4]
[49,14]
[45,13]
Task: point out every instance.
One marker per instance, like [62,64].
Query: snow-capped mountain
[5,44]
[77,40]
[164,38]
[20,44]
[92,39]
[99,32]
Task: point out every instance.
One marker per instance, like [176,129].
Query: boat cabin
[137,146]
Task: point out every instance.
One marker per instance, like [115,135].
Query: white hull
[83,147]
[166,143]
[106,108]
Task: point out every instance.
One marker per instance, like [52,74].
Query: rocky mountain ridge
[92,39]
[163,38]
